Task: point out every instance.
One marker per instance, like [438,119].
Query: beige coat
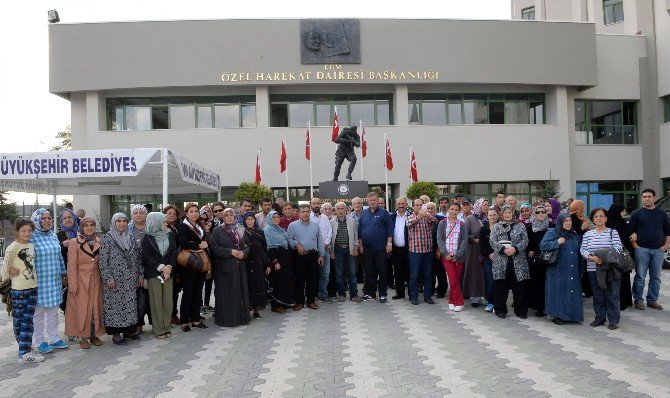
[352,231]
[84,295]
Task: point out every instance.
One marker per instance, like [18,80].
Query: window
[613,10]
[443,109]
[528,13]
[524,191]
[666,109]
[298,110]
[604,193]
[135,114]
[606,122]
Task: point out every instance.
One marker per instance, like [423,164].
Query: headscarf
[538,225]
[502,210]
[560,231]
[154,228]
[37,219]
[123,239]
[71,232]
[578,207]
[138,207]
[232,229]
[555,209]
[275,235]
[90,239]
[477,208]
[252,215]
[203,210]
[614,219]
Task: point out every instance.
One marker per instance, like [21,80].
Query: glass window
[226,116]
[205,117]
[455,112]
[181,117]
[279,115]
[116,118]
[323,114]
[383,113]
[364,111]
[414,112]
[138,118]
[528,13]
[159,117]
[517,112]
[497,112]
[666,109]
[606,122]
[299,114]
[342,114]
[319,109]
[604,193]
[433,114]
[248,115]
[613,10]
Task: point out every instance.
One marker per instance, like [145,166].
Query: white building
[487,105]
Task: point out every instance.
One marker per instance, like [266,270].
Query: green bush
[422,188]
[252,191]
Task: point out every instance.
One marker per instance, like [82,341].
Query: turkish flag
[364,143]
[412,167]
[282,158]
[308,149]
[336,127]
[258,168]
[389,157]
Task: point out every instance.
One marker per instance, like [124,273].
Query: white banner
[41,186]
[196,174]
[74,164]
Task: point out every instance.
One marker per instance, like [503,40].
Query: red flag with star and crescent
[258,168]
[308,148]
[364,143]
[282,158]
[336,127]
[389,157]
[412,167]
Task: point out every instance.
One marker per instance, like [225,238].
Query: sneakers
[367,297]
[655,305]
[355,299]
[451,307]
[44,348]
[489,308]
[612,326]
[60,344]
[458,308]
[29,357]
[639,306]
[382,299]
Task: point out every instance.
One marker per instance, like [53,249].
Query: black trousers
[501,292]
[306,274]
[439,274]
[538,280]
[209,283]
[360,268]
[191,298]
[375,272]
[400,261]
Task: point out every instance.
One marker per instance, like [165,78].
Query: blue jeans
[420,263]
[647,260]
[488,275]
[342,258]
[605,301]
[324,275]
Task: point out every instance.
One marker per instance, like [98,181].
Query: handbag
[194,260]
[626,262]
[549,256]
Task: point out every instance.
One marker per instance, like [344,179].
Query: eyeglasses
[599,216]
[218,210]
[46,218]
[540,212]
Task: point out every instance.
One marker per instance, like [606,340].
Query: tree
[422,188]
[64,140]
[550,189]
[252,191]
[7,210]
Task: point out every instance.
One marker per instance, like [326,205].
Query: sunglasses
[218,210]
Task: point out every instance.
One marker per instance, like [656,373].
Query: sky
[31,116]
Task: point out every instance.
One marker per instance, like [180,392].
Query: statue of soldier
[347,140]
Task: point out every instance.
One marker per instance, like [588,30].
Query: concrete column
[400,104]
[558,112]
[262,106]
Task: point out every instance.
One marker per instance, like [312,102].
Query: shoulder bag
[194,260]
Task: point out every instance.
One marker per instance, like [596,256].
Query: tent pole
[55,207]
[164,158]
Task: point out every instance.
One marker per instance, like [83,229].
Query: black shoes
[559,321]
[398,296]
[595,324]
[429,300]
[200,325]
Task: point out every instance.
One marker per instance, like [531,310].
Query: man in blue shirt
[650,238]
[375,232]
[310,253]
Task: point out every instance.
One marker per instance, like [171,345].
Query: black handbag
[625,260]
[549,256]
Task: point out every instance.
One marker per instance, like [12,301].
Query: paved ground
[365,350]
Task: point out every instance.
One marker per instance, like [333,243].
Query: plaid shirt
[420,233]
[453,233]
[50,267]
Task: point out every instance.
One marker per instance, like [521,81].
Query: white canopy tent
[105,172]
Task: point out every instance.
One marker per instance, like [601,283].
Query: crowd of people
[302,256]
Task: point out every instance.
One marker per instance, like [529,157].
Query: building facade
[486,105]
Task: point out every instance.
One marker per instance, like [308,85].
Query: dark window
[528,13]
[319,110]
[613,10]
[604,193]
[606,122]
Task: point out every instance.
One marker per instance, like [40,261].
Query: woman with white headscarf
[51,275]
[122,273]
[159,257]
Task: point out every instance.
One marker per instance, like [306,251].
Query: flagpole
[286,171]
[386,169]
[362,157]
[410,165]
[311,180]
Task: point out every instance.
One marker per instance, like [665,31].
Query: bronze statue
[347,140]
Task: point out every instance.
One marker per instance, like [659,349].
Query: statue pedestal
[342,191]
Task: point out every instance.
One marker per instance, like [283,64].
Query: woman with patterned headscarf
[230,247]
[50,269]
[122,274]
[83,316]
[159,257]
[69,227]
[481,209]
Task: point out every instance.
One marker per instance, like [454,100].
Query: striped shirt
[420,233]
[592,241]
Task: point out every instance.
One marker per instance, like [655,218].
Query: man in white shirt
[261,217]
[399,254]
[326,233]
